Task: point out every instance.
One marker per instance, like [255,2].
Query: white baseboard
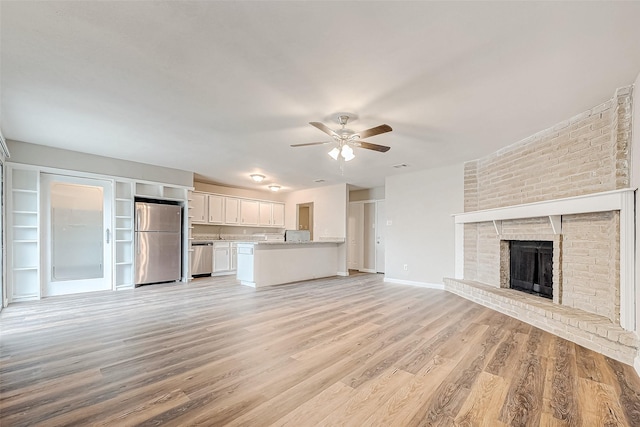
[413,283]
[342,273]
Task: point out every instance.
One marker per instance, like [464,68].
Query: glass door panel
[76,232]
[77,223]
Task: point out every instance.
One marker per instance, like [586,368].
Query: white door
[77,227]
[354,235]
[369,238]
[381,222]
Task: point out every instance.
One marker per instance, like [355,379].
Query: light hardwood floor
[339,351]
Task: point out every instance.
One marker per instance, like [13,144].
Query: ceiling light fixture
[257,177]
[274,187]
[346,152]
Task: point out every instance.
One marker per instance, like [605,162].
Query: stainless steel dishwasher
[202,259]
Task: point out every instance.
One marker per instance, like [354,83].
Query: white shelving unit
[23,231]
[123,235]
[189,234]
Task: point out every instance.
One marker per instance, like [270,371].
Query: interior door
[369,238]
[354,235]
[77,224]
[381,219]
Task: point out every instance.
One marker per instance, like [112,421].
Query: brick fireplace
[568,185]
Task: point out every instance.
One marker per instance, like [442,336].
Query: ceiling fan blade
[325,129]
[311,143]
[370,146]
[375,131]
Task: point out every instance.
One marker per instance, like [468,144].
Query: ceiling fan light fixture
[334,153]
[347,153]
[257,177]
[274,187]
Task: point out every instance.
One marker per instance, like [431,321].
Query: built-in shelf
[23,260]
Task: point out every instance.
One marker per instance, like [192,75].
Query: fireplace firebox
[531,267]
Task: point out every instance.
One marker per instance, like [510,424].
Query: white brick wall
[588,153]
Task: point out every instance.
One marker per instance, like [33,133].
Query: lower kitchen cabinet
[224,258]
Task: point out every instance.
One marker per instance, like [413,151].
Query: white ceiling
[223,88]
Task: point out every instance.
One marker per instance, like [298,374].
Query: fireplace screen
[531,267]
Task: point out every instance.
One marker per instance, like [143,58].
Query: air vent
[318,180]
[401,165]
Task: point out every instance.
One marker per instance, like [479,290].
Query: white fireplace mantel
[617,200]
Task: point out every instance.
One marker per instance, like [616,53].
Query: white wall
[329,210]
[421,234]
[40,155]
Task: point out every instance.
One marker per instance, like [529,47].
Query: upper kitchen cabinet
[231,211]
[278,215]
[265,211]
[200,207]
[249,212]
[216,209]
[271,214]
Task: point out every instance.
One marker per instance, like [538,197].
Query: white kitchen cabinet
[221,257]
[271,214]
[277,214]
[231,210]
[264,214]
[225,255]
[216,209]
[249,212]
[234,256]
[200,206]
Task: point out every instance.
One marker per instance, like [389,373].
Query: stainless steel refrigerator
[158,243]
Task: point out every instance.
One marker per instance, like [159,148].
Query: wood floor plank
[317,408]
[486,397]
[336,351]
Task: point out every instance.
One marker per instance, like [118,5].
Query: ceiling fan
[347,139]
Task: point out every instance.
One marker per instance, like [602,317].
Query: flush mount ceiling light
[257,177]
[274,187]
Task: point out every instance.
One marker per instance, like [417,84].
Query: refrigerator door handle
[137,244]
[108,235]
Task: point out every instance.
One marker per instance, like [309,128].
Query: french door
[77,234]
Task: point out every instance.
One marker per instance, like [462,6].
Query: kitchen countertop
[271,242]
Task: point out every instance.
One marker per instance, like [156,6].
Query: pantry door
[77,227]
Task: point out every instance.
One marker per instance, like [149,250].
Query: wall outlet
[405,267]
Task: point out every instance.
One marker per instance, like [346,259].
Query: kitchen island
[274,263]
